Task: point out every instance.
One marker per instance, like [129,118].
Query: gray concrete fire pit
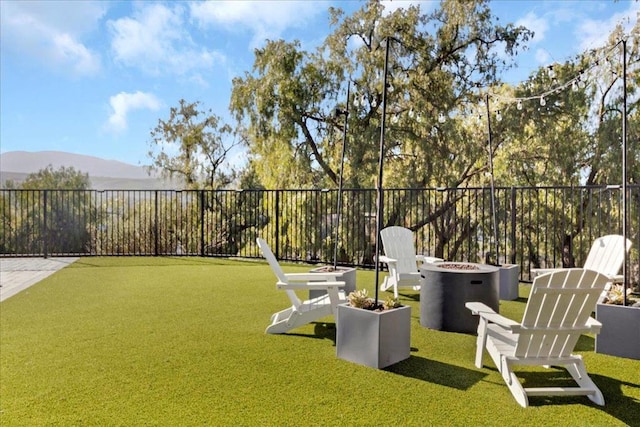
[444,289]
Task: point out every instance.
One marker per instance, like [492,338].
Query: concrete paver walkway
[17,274]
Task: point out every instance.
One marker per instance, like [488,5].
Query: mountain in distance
[104,174]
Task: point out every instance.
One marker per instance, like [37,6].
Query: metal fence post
[202,209]
[155,222]
[277,215]
[45,228]
[514,219]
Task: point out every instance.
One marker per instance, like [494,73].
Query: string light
[578,82]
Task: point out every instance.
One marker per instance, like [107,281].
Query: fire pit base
[446,287]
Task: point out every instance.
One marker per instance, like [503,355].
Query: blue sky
[94,77]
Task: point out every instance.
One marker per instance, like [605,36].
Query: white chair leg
[580,376]
[481,341]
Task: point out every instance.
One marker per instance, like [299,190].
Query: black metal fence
[536,226]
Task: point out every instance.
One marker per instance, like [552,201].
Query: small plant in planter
[374,334]
[615,295]
[361,299]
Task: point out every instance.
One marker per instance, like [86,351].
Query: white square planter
[620,333]
[344,274]
[374,339]
[509,281]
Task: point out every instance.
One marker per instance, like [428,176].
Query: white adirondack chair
[605,256]
[557,313]
[302,312]
[401,259]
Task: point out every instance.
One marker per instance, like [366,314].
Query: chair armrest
[306,277]
[428,259]
[387,260]
[310,285]
[594,325]
[486,312]
[617,279]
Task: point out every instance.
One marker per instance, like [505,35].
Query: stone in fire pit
[445,288]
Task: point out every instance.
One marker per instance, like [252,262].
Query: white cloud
[594,33]
[265,19]
[51,32]
[124,102]
[155,40]
[538,25]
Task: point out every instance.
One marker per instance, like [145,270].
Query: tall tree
[192,145]
[57,221]
[287,102]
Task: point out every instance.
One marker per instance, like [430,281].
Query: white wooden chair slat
[301,312]
[552,323]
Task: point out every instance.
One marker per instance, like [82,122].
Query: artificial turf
[180,341]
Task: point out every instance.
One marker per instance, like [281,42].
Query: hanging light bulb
[419,118]
[574,86]
[394,119]
[498,116]
[411,113]
[543,101]
[581,83]
[519,104]
[551,73]
[356,103]
[374,103]
[581,80]
[363,100]
[390,88]
[434,131]
[441,118]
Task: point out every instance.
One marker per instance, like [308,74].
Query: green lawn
[180,341]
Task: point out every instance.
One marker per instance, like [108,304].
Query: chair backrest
[271,259]
[607,254]
[275,266]
[559,305]
[398,244]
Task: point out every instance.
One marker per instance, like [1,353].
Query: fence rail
[536,226]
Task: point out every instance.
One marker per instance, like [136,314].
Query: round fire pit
[446,286]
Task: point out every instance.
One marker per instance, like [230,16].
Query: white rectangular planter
[620,333]
[374,339]
[509,281]
[344,274]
